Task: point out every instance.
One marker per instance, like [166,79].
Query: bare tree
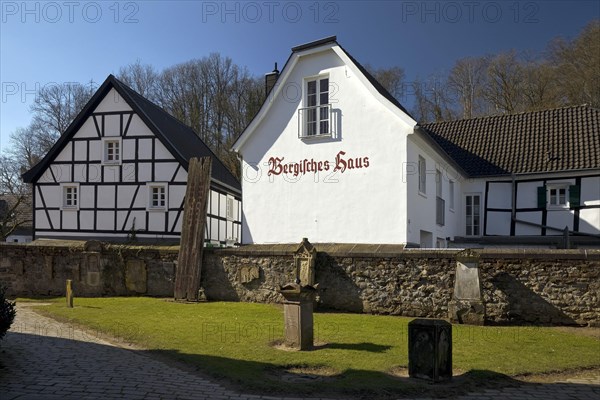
[467,81]
[578,61]
[504,89]
[392,79]
[540,89]
[15,198]
[142,78]
[433,102]
[56,106]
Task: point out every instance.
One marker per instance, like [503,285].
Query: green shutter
[541,196]
[574,196]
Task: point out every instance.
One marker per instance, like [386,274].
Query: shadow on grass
[369,347]
[260,378]
[32,357]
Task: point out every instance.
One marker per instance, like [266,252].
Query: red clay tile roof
[553,140]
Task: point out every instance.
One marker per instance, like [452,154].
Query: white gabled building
[121,169]
[333,157]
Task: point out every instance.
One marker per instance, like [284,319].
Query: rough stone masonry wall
[96,269]
[518,286]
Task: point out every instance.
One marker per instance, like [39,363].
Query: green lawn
[235,341]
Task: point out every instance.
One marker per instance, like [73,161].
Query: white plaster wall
[80,151]
[18,238]
[498,223]
[138,128]
[534,217]
[113,102]
[590,221]
[112,125]
[65,154]
[421,210]
[165,171]
[361,205]
[87,130]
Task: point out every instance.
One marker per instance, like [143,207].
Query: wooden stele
[189,264]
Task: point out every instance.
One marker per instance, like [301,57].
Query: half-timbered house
[119,172]
[333,157]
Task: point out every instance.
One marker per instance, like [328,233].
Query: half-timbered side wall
[115,179]
[544,206]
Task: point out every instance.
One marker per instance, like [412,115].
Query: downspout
[513,202]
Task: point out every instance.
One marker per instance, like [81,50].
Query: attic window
[111,151]
[314,119]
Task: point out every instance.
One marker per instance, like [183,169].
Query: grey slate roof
[553,140]
[177,137]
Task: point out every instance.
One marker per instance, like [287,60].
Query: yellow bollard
[69,294]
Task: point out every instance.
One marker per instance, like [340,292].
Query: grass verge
[354,354]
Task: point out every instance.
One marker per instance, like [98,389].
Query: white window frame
[229,207]
[105,143]
[64,188]
[557,187]
[318,107]
[451,195]
[422,175]
[158,185]
[480,224]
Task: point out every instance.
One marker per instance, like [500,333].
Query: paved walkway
[43,359]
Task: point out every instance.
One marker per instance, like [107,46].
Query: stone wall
[518,286]
[96,269]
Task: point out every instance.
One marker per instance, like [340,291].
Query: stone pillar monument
[467,305]
[298,315]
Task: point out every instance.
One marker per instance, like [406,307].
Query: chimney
[270,80]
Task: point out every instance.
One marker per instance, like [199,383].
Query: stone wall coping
[353,250]
[80,245]
[398,251]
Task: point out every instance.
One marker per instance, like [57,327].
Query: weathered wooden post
[189,264]
[69,294]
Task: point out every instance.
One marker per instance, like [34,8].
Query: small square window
[112,151]
[70,197]
[157,196]
[558,196]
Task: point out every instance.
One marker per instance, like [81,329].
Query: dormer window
[315,118]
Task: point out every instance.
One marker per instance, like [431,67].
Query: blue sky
[43,42]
